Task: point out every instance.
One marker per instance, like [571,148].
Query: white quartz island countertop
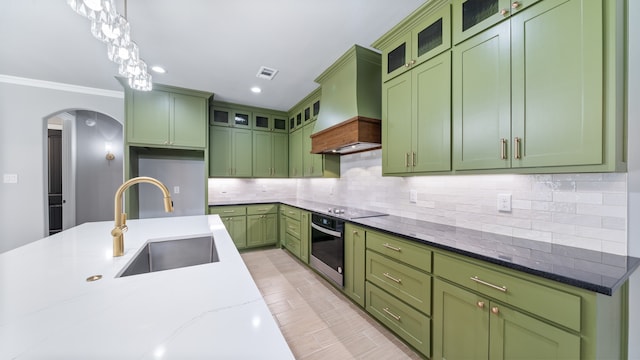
[212,311]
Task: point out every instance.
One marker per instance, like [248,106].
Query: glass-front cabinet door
[230,118]
[427,39]
[268,122]
[473,16]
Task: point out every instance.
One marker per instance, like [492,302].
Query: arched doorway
[85,167]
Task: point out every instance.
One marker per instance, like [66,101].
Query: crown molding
[60,86]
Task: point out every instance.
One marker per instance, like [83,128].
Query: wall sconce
[107,148]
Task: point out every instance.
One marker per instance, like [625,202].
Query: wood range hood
[350,111]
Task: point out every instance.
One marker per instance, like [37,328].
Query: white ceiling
[210,45]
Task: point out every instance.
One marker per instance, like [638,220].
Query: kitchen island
[49,310]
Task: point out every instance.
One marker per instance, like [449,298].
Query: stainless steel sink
[172,254]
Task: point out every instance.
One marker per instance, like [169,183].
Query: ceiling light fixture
[256,90]
[158,69]
[114,30]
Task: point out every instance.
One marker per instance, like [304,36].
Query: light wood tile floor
[318,321]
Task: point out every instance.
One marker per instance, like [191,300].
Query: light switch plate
[176,189]
[10,178]
[504,202]
[413,196]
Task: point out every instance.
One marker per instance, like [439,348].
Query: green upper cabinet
[313,165]
[417,105]
[222,116]
[270,122]
[428,36]
[557,42]
[172,119]
[230,152]
[270,154]
[481,101]
[295,154]
[528,93]
[470,17]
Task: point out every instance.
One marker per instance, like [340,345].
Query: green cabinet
[470,17]
[270,154]
[312,163]
[166,119]
[427,37]
[297,232]
[354,263]
[270,122]
[295,154]
[235,221]
[230,152]
[250,226]
[492,330]
[262,230]
[416,112]
[229,117]
[506,112]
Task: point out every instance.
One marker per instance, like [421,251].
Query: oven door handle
[326,231]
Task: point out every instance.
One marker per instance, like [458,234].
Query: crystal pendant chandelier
[114,30]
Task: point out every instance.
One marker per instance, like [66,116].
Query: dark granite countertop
[588,269]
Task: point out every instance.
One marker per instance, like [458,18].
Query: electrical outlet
[413,196]
[176,189]
[504,202]
[10,178]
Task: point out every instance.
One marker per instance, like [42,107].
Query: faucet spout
[120,218]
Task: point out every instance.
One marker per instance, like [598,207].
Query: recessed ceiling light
[158,69]
[256,90]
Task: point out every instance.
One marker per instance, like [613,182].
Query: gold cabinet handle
[515,4]
[397,317]
[495,310]
[516,148]
[391,247]
[355,232]
[406,159]
[413,158]
[479,281]
[503,149]
[480,304]
[504,12]
[399,281]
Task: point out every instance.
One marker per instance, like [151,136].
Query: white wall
[23,110]
[634,173]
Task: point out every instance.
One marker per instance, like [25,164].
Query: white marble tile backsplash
[583,210]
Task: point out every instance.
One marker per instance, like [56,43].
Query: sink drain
[94,278]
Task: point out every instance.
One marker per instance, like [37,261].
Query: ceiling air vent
[266,73]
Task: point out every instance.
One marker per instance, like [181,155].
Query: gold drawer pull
[501,288]
[399,281]
[262,209]
[228,211]
[391,247]
[480,304]
[397,317]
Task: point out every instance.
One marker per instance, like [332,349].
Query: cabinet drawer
[292,227]
[406,283]
[291,212]
[408,323]
[228,210]
[262,209]
[292,244]
[555,305]
[402,250]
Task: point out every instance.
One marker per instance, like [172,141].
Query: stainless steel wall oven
[327,247]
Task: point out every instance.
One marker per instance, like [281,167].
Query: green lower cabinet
[408,323]
[354,263]
[262,230]
[305,236]
[237,229]
[469,326]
